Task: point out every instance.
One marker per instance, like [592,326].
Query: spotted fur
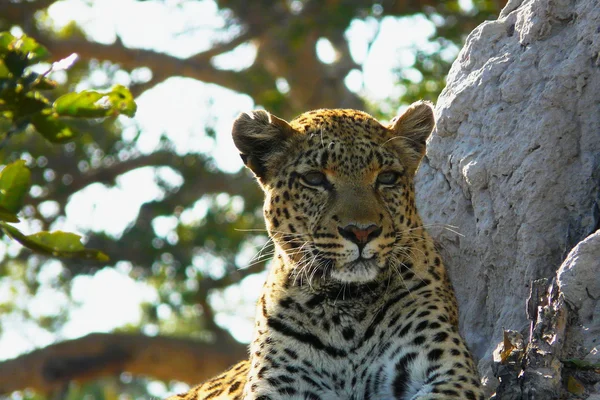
[357,304]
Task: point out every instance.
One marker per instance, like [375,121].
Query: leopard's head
[339,197]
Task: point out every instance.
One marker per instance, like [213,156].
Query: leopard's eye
[314,178]
[388,178]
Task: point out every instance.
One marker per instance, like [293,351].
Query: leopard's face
[339,193]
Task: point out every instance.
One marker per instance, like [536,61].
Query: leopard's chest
[313,375]
[374,343]
[334,356]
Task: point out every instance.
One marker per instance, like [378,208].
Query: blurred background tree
[163,194]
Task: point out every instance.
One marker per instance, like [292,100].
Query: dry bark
[533,370]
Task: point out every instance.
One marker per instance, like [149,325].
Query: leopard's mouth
[360,270]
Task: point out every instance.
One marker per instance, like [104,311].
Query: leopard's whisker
[449,228]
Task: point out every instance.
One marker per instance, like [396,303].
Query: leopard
[357,304]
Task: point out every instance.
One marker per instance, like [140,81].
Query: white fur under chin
[356,272]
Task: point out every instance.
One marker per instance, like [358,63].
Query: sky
[178,31]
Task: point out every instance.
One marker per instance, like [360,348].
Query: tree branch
[201,183]
[103,354]
[224,47]
[231,278]
[20,13]
[164,65]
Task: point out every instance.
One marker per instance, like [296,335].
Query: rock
[579,281]
[511,179]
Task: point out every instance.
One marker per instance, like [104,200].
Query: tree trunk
[514,166]
[101,354]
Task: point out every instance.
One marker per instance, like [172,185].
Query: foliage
[22,104]
[14,185]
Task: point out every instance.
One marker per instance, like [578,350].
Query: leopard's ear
[260,137]
[414,126]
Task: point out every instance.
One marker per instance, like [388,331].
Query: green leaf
[34,51]
[4,72]
[123,100]
[6,39]
[29,103]
[52,128]
[92,104]
[16,63]
[55,244]
[20,52]
[60,241]
[15,179]
[8,216]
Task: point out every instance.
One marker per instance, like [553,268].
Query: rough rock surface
[514,164]
[579,281]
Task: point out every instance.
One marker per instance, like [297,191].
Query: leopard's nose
[360,235]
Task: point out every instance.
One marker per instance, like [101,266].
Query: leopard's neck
[318,298]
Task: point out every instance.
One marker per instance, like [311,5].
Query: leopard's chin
[358,271]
